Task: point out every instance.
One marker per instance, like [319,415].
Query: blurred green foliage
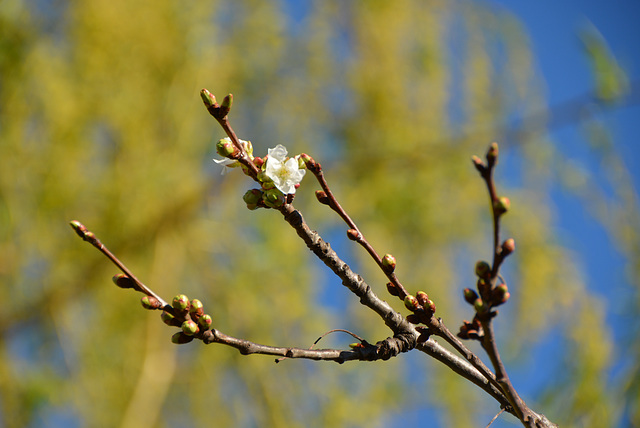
[100,120]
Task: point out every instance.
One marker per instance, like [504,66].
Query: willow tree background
[101,120]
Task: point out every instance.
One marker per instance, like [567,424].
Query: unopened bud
[388,263]
[308,161]
[483,269]
[227,102]
[123,281]
[189,328]
[391,288]
[356,345]
[353,234]
[208,98]
[422,297]
[322,197]
[477,162]
[508,247]
[480,306]
[196,308]
[149,302]
[258,162]
[411,303]
[500,294]
[169,319]
[180,338]
[225,147]
[470,295]
[492,154]
[273,198]
[502,205]
[79,228]
[252,198]
[180,303]
[205,321]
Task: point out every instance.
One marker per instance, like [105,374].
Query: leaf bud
[180,303]
[149,302]
[482,269]
[79,228]
[501,205]
[356,345]
[180,338]
[388,263]
[411,303]
[208,98]
[322,197]
[477,162]
[492,154]
[353,234]
[123,281]
[189,328]
[205,321]
[391,288]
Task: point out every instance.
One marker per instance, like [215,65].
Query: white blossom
[284,172]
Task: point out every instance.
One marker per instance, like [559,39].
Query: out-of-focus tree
[100,119]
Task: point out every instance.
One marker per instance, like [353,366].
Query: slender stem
[360,239]
[91,238]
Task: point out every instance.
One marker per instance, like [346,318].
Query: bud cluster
[422,307]
[186,314]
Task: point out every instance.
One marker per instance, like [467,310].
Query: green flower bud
[225,147]
[195,308]
[422,297]
[470,295]
[252,197]
[205,321]
[411,303]
[208,98]
[180,303]
[356,345]
[500,294]
[181,338]
[508,247]
[123,281]
[189,328]
[388,263]
[149,302]
[480,306]
[273,198]
[502,205]
[169,319]
[483,269]
[227,102]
